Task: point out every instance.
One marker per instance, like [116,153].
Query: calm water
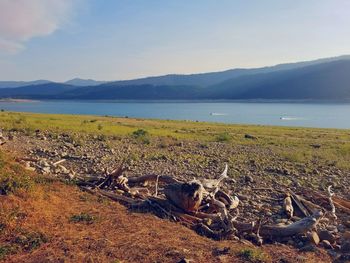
[283,114]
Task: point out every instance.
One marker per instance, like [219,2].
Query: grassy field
[299,145]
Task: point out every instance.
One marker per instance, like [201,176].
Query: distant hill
[211,78]
[75,82]
[84,82]
[41,91]
[16,84]
[325,79]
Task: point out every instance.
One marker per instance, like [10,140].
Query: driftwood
[212,184]
[330,195]
[59,162]
[300,205]
[299,227]
[152,178]
[323,200]
[288,206]
[202,206]
[273,231]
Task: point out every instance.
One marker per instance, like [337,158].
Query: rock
[248,136]
[324,220]
[345,247]
[282,221]
[248,179]
[71,176]
[347,223]
[313,238]
[344,258]
[291,242]
[184,260]
[46,170]
[332,253]
[341,228]
[43,163]
[295,218]
[332,228]
[243,197]
[346,235]
[316,146]
[63,169]
[326,235]
[326,244]
[29,168]
[268,213]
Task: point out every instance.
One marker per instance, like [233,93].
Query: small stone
[295,218]
[268,213]
[281,221]
[341,228]
[345,247]
[300,244]
[313,238]
[243,197]
[346,235]
[347,223]
[326,244]
[63,169]
[324,220]
[184,260]
[44,163]
[332,228]
[248,179]
[249,136]
[344,258]
[326,235]
[291,242]
[332,253]
[46,170]
[32,169]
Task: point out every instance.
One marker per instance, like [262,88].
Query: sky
[123,39]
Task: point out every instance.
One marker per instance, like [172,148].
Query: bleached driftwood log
[277,231]
[212,184]
[330,195]
[288,206]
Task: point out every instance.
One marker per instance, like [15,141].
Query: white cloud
[21,20]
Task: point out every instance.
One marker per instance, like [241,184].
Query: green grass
[292,144]
[29,241]
[12,177]
[82,218]
[4,251]
[252,255]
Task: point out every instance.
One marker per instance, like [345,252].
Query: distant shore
[17,100]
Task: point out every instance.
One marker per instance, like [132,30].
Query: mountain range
[323,79]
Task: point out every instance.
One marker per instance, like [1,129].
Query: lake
[321,115]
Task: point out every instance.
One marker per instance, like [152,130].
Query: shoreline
[18,100]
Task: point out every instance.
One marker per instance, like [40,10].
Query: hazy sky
[122,39]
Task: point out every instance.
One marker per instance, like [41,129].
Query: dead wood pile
[205,207]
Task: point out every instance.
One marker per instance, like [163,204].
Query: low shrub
[83,217]
[223,137]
